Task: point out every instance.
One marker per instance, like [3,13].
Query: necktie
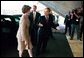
[34,16]
[47,19]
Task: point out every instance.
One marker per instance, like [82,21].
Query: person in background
[67,23]
[81,23]
[23,37]
[75,23]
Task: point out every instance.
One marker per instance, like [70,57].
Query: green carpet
[57,47]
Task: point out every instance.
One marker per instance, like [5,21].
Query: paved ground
[76,46]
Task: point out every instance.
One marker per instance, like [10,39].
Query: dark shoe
[37,54]
[80,39]
[64,33]
[43,51]
[71,38]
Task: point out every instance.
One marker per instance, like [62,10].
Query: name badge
[77,20]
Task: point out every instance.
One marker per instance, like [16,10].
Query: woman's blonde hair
[25,8]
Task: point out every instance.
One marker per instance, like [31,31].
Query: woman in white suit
[23,38]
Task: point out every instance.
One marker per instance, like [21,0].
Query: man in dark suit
[34,18]
[67,23]
[45,24]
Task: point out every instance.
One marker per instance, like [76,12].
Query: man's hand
[40,25]
[76,19]
[76,15]
[56,28]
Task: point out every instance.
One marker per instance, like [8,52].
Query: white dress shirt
[34,14]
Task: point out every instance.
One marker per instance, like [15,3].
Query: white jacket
[23,38]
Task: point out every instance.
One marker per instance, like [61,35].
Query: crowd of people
[74,21]
[34,30]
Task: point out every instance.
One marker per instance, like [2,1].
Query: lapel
[32,16]
[44,19]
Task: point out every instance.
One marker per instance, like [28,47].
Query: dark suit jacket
[33,24]
[46,29]
[67,21]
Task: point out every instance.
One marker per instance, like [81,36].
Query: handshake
[40,25]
